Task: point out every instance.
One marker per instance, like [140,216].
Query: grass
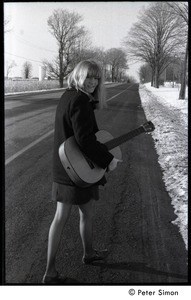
[15,86]
[26,85]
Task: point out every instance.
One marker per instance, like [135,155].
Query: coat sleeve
[84,124]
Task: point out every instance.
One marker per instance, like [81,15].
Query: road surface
[133,217]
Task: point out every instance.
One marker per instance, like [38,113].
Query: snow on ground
[170,117]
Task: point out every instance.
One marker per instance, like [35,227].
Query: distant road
[133,216]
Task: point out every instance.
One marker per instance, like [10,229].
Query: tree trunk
[156,78]
[61,67]
[61,81]
[173,78]
[183,77]
[113,74]
[152,79]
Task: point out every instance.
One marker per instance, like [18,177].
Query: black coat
[75,116]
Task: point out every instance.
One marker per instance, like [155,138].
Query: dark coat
[75,116]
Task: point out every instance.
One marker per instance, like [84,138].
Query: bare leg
[56,228]
[86,225]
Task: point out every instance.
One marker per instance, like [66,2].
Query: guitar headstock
[148,126]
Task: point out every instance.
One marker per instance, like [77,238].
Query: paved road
[133,217]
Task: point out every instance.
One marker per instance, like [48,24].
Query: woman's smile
[90,84]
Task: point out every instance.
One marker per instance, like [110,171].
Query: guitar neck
[123,138]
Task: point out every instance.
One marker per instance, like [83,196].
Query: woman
[75,117]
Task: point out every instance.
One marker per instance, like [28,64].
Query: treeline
[74,45]
[159,39]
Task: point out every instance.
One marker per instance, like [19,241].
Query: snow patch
[170,117]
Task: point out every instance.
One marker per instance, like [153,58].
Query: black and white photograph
[96,104]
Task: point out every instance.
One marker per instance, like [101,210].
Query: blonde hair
[84,69]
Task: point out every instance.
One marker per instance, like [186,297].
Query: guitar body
[81,171]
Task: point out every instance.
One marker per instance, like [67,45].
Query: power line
[29,59]
[31,44]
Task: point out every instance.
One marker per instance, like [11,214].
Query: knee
[86,215]
[62,214]
[59,217]
[87,211]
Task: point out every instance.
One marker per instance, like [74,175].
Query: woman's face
[90,84]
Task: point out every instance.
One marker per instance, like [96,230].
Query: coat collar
[91,98]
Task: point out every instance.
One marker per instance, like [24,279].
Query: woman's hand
[113,164]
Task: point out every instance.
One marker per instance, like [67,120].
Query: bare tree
[116,59]
[101,56]
[9,67]
[81,49]
[130,79]
[155,38]
[27,70]
[173,71]
[63,25]
[98,54]
[180,9]
[145,73]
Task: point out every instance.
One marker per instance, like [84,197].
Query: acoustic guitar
[84,172]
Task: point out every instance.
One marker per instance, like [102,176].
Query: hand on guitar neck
[113,164]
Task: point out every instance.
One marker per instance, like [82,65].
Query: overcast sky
[29,38]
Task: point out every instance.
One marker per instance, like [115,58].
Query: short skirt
[73,194]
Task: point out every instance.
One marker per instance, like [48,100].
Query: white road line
[118,94]
[7,161]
